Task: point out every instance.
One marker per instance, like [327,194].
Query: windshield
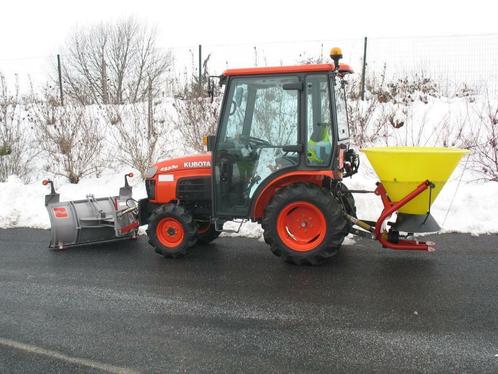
[259,107]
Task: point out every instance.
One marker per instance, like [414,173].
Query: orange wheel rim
[170,232]
[301,226]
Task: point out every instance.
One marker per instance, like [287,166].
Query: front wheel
[305,224]
[171,230]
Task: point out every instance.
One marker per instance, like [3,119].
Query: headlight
[150,172]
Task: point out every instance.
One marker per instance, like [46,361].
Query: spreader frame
[389,208]
[391,239]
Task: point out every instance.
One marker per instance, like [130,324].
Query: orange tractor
[278,158]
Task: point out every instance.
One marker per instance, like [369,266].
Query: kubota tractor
[278,158]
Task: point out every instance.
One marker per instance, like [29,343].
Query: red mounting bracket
[389,208]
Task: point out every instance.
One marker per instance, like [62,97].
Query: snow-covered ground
[464,205]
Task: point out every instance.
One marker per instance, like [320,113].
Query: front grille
[150,187]
[194,189]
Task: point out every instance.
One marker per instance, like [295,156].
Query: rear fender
[264,196]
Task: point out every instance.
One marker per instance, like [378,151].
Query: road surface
[232,306]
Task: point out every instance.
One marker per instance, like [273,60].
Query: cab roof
[308,68]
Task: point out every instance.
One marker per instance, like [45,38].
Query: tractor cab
[275,121]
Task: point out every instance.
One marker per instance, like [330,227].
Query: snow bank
[462,206]
[22,205]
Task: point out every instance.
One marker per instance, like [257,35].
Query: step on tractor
[279,156]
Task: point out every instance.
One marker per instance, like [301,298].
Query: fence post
[150,119]
[364,69]
[200,67]
[59,69]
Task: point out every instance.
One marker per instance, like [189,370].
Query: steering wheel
[255,142]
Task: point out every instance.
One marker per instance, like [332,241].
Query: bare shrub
[483,142]
[113,63]
[364,127]
[139,139]
[69,137]
[363,115]
[15,151]
[409,89]
[196,114]
[466,91]
[387,108]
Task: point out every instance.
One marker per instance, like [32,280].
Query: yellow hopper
[402,169]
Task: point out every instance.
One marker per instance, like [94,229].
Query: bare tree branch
[112,63]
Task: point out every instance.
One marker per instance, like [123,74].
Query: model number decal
[168,168]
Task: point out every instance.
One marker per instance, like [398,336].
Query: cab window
[318,118]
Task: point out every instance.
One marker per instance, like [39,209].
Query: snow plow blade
[92,220]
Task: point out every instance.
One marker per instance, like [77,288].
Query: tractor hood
[200,161]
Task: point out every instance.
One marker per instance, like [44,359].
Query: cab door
[319,125]
[259,122]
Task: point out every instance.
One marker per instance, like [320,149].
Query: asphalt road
[232,306]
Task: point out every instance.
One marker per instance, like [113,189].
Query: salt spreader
[410,180]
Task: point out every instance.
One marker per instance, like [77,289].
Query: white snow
[464,205]
[473,210]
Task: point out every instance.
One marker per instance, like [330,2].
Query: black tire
[266,235]
[337,227]
[206,237]
[186,222]
[341,192]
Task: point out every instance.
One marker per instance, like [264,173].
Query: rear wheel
[305,224]
[206,233]
[171,230]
